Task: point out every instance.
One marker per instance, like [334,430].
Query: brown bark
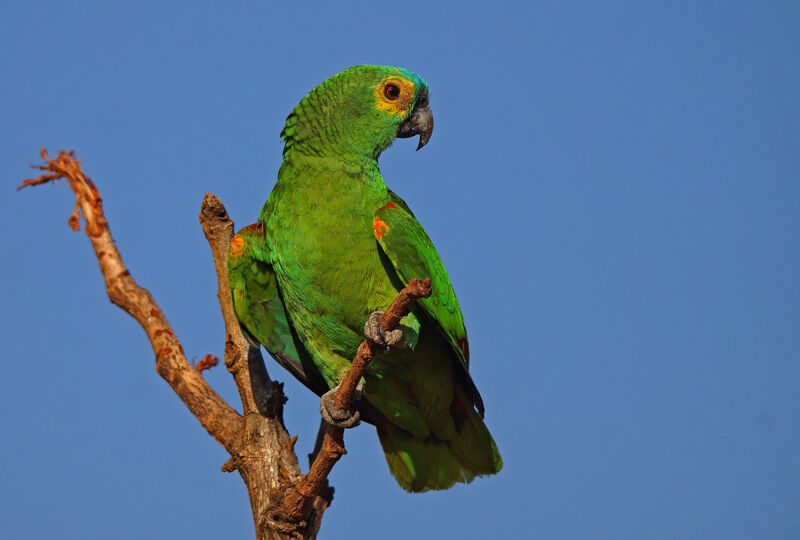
[285,504]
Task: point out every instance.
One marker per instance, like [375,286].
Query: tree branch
[218,418]
[258,393]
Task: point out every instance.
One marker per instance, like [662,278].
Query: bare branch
[216,416]
[257,392]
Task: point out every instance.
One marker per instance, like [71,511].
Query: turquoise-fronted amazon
[331,246]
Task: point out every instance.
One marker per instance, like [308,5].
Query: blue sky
[614,190]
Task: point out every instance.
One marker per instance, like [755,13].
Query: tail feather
[403,452]
[473,445]
[422,464]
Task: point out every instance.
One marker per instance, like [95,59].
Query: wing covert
[412,254]
[259,306]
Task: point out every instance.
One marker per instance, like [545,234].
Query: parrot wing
[259,307]
[412,254]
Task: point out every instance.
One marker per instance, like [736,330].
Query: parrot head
[359,112]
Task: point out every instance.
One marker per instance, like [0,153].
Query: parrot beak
[419,122]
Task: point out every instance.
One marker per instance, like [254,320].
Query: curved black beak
[419,122]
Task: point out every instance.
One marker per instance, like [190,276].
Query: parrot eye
[391,91]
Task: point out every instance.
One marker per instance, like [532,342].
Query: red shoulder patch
[389,204]
[237,246]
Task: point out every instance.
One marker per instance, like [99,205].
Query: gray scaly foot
[382,339]
[335,416]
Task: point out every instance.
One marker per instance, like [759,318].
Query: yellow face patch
[394,95]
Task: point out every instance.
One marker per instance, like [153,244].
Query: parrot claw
[335,416]
[382,339]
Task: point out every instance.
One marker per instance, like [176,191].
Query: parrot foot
[382,339]
[335,416]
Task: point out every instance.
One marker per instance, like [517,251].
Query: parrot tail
[422,464]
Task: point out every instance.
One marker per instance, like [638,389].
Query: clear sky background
[614,190]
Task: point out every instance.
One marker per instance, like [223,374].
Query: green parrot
[331,248]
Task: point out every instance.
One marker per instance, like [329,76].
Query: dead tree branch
[218,418]
[285,503]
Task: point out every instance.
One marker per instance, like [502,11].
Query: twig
[207,362]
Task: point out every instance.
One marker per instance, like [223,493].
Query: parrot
[331,248]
